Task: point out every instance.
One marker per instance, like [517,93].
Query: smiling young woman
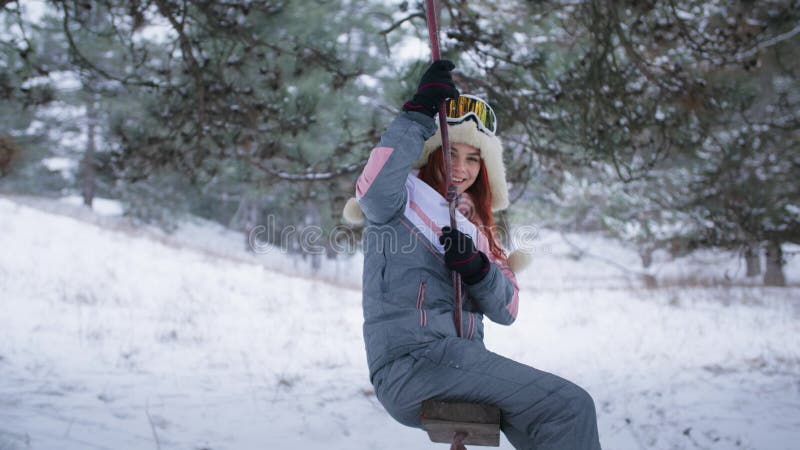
[416,351]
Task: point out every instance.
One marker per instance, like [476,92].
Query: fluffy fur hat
[467,133]
[491,149]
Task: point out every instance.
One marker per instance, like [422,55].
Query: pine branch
[86,63]
[308,176]
[768,43]
[394,26]
[188,54]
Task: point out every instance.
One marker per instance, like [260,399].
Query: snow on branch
[309,176]
[768,43]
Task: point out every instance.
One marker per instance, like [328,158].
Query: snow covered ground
[116,338]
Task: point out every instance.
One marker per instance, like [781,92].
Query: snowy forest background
[652,151]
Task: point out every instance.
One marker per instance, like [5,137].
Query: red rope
[458,441]
[433,34]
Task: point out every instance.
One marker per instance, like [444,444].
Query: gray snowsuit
[413,351]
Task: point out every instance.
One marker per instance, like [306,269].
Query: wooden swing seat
[461,423]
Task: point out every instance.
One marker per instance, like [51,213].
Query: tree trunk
[312,249]
[646,255]
[88,163]
[8,152]
[650,281]
[752,259]
[245,219]
[774,274]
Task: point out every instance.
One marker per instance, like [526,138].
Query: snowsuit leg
[541,411]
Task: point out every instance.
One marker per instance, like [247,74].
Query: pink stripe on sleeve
[376,161]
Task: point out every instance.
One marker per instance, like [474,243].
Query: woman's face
[466,161]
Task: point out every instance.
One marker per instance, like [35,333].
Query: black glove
[435,86]
[461,255]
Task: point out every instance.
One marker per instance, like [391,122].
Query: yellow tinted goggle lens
[465,106]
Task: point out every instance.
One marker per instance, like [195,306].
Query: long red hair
[433,173]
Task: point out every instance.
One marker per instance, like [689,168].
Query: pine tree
[686,102]
[24,89]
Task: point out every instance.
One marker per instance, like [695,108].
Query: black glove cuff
[421,104]
[478,276]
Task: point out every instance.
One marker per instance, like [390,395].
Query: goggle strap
[472,117]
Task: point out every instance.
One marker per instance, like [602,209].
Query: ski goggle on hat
[471,107]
